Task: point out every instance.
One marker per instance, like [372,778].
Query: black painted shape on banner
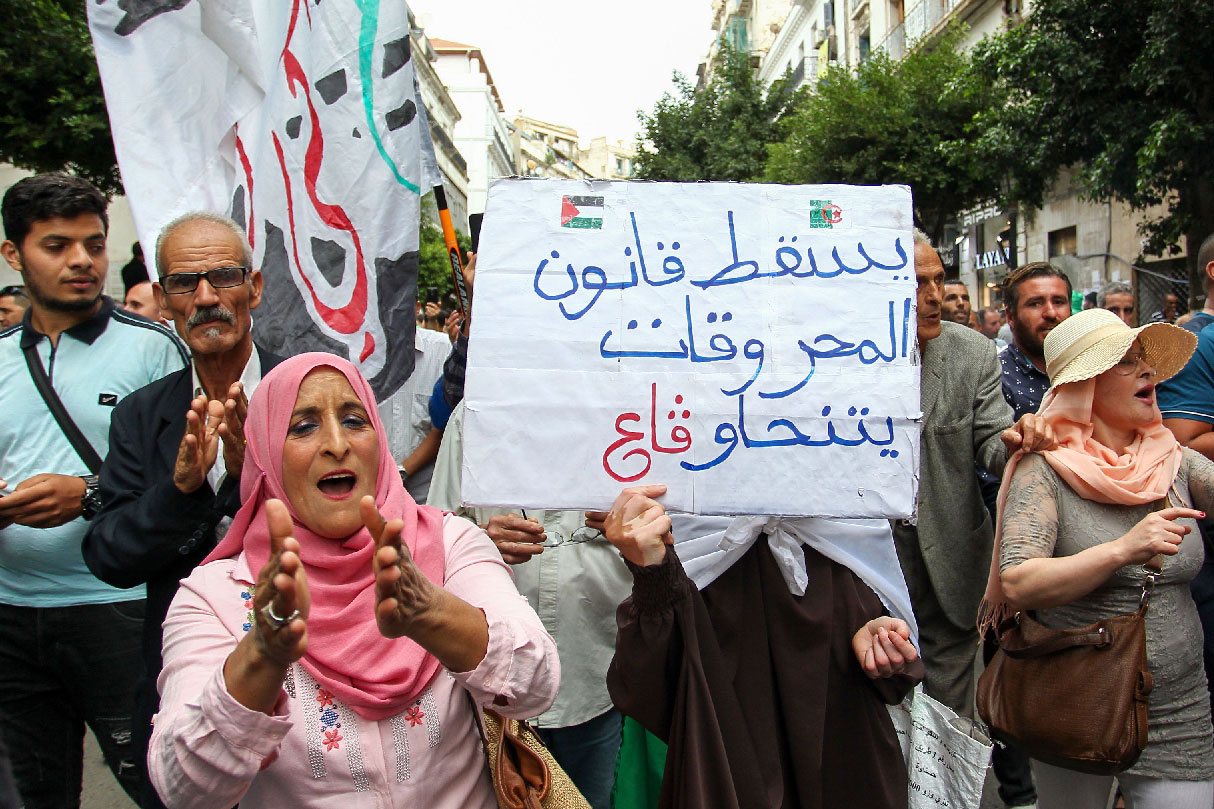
[330,258]
[237,213]
[396,55]
[333,86]
[401,116]
[396,288]
[284,326]
[356,133]
[293,126]
[140,11]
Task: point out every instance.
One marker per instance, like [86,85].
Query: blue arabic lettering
[675,274]
[724,275]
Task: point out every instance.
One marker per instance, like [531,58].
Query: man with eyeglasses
[171,482]
[69,646]
[13,303]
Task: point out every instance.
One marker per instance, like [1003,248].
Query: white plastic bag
[946,757]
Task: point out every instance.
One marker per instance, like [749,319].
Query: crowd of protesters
[258,586]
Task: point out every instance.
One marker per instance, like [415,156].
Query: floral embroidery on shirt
[248,605]
[328,719]
[414,714]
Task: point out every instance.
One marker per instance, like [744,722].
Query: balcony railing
[923,16]
[894,43]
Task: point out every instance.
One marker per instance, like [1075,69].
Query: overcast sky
[589,66]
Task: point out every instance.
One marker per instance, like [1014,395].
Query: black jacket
[147,531]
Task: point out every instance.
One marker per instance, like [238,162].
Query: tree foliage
[1124,93]
[720,132]
[52,112]
[433,264]
[907,122]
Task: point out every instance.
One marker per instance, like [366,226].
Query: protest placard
[750,346]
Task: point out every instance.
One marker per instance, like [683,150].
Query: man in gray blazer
[946,551]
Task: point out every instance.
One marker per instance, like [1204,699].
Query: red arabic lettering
[627,437]
[678,434]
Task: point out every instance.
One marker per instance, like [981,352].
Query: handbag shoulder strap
[1155,564]
[76,438]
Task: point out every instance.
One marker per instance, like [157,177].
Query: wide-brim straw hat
[1090,342]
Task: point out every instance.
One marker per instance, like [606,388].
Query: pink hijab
[1144,474]
[376,676]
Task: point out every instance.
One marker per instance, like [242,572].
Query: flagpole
[457,264]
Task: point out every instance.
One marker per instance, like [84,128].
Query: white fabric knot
[708,546]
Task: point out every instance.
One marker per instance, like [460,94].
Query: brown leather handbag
[524,773]
[1074,698]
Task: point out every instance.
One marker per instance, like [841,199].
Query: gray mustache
[210,314]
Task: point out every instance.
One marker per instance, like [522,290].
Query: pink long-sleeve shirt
[209,752]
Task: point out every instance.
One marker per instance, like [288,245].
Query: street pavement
[100,790]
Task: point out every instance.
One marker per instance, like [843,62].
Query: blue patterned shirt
[1024,386]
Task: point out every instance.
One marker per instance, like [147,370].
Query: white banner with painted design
[750,346]
[302,121]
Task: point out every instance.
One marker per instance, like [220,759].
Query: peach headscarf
[376,676]
[1142,475]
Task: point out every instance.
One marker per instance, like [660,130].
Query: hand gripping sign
[750,346]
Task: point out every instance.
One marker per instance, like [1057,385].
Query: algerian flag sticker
[582,212]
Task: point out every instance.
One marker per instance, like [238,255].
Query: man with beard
[69,649]
[955,306]
[1038,298]
[172,479]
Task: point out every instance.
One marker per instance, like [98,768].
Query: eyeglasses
[1128,365]
[555,539]
[180,283]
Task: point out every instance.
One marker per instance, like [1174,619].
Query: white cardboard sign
[750,346]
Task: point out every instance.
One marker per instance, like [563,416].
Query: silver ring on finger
[275,620]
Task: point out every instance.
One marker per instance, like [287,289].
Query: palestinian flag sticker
[582,212]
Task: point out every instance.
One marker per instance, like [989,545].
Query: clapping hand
[281,601]
[403,594]
[199,446]
[883,647]
[231,429]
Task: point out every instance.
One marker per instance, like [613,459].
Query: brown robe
[756,691]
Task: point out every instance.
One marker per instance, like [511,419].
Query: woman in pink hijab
[1079,522]
[328,646]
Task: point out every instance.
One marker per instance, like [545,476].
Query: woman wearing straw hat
[1077,525]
